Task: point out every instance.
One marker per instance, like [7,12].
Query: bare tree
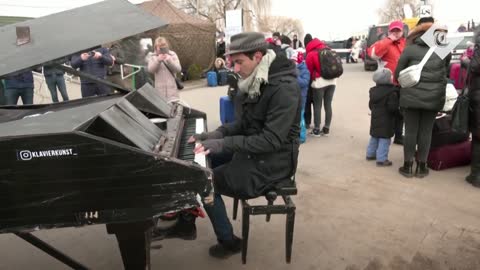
[393,10]
[215,10]
[285,25]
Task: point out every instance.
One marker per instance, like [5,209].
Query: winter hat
[247,42]
[294,58]
[286,40]
[307,39]
[382,76]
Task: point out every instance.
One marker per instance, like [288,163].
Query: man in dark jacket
[114,72]
[474,95]
[55,78]
[264,142]
[296,43]
[94,63]
[19,85]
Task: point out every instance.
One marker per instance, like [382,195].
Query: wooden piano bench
[285,189]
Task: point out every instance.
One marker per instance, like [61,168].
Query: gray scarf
[251,84]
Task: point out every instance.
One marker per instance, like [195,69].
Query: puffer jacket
[384,106]
[303,80]
[429,93]
[312,61]
[474,89]
[265,141]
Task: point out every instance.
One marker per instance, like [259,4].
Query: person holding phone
[164,64]
[94,63]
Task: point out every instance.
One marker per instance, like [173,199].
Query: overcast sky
[327,20]
[339,18]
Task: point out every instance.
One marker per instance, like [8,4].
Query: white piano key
[199,128]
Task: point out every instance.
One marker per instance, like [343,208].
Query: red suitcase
[457,74]
[449,156]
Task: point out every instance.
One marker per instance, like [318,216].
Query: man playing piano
[263,143]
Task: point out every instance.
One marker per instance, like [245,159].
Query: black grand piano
[121,159]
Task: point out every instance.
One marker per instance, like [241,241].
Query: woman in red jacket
[322,89]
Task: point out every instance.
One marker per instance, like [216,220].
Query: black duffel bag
[442,133]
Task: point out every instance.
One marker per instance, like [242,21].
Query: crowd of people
[102,63]
[283,84]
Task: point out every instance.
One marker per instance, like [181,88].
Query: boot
[421,170]
[225,249]
[473,179]
[406,170]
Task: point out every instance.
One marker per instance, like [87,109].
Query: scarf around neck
[251,84]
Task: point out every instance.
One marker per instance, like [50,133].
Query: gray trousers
[418,133]
[322,95]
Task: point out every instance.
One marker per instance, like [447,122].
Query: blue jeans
[217,212]
[12,95]
[378,147]
[53,81]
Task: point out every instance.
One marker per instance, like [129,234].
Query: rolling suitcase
[212,78]
[223,77]
[227,111]
[449,156]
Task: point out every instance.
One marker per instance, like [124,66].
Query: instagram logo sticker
[25,155]
[437,36]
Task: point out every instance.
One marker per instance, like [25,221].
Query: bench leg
[245,230]
[270,203]
[289,235]
[235,208]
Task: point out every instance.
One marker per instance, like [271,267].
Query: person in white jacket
[355,53]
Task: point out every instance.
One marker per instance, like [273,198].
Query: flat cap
[246,42]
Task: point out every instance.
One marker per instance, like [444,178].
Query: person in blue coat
[303,79]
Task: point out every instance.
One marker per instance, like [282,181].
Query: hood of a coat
[281,66]
[315,44]
[414,36]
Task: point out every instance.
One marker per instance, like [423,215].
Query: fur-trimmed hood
[417,32]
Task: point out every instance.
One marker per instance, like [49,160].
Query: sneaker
[385,163]
[325,131]
[371,158]
[316,132]
[225,249]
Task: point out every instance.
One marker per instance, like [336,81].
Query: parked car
[462,46]
[340,47]
[374,33]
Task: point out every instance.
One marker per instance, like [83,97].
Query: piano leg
[134,242]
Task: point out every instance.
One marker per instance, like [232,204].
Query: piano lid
[62,34]
[51,122]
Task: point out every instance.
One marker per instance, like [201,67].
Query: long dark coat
[265,141]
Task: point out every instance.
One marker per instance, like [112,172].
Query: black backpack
[330,64]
